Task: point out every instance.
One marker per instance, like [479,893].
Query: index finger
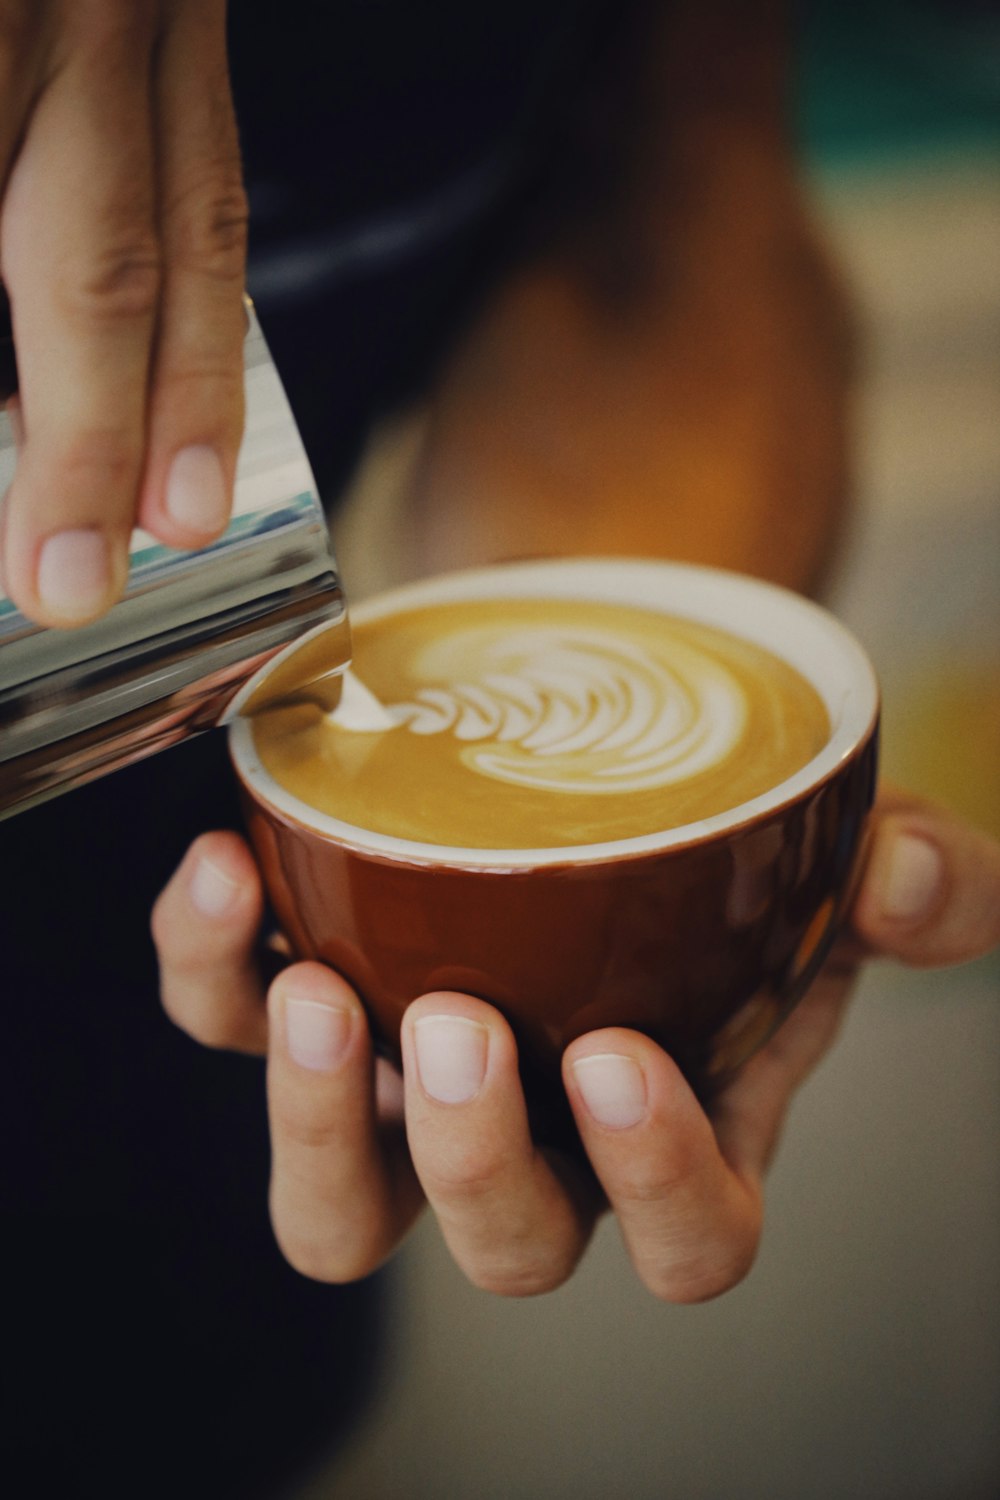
[81,261]
[196,386]
[205,925]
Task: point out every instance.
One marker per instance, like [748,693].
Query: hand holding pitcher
[122,252]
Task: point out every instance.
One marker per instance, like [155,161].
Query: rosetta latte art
[544,723]
[572,710]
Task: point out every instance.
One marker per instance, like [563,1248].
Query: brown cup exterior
[704,946]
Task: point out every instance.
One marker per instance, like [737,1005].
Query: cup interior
[801,633]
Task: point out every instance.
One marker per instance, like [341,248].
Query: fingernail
[197,496]
[211,890]
[912,879]
[613,1089]
[315,1034]
[451,1057]
[74,573]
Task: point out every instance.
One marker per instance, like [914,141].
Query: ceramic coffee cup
[701,933]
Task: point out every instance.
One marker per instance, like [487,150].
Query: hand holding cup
[358,1147]
[486,984]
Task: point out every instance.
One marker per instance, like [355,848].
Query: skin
[358,1150]
[122,250]
[668,371]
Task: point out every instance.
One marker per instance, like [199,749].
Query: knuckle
[464,1172]
[209,380]
[190,960]
[198,1022]
[333,1258]
[521,1275]
[306,1256]
[209,222]
[301,1124]
[704,1277]
[108,457]
[105,24]
[120,284]
[671,1177]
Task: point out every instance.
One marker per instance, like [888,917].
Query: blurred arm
[668,373]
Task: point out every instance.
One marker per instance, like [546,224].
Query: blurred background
[862,1356]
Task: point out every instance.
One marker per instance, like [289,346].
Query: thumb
[931,889]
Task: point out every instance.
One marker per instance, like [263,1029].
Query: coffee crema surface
[546,723]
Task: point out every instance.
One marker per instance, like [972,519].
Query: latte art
[545,723]
[584,712]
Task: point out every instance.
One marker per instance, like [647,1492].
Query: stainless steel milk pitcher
[191,628]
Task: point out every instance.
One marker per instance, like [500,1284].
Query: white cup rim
[802,633]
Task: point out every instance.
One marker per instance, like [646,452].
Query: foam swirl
[582,711]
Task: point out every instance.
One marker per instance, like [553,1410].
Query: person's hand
[122,250]
[355,1152]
